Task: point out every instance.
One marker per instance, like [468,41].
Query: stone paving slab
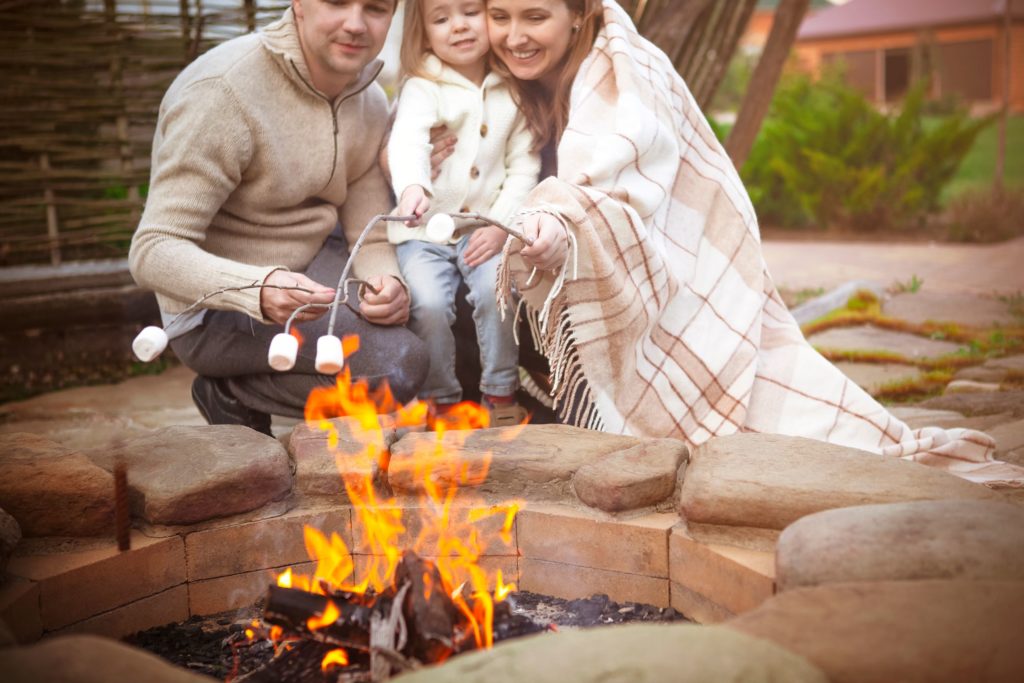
[873,376]
[965,308]
[871,338]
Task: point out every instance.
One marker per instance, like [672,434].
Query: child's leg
[499,354]
[432,276]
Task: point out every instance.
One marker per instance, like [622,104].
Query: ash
[216,645]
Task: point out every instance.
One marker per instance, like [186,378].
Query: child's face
[457,32]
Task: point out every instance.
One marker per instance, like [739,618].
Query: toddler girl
[444,58]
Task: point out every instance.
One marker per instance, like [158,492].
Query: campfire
[398,600]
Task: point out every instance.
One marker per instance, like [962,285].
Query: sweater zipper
[333,109]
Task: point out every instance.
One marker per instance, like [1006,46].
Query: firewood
[429,612]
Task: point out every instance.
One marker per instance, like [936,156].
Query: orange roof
[883,16]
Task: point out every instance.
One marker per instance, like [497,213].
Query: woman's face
[531,36]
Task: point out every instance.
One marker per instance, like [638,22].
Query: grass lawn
[978,167]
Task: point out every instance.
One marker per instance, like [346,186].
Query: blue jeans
[432,272]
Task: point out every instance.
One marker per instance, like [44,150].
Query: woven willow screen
[80,85]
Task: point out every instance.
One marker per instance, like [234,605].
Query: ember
[394,609]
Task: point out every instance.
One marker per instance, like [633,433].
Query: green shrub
[985,215]
[826,156]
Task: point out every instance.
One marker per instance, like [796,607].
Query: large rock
[947,539]
[770,481]
[88,659]
[637,477]
[10,536]
[325,451]
[185,475]
[506,462]
[987,403]
[638,653]
[908,631]
[1009,438]
[53,491]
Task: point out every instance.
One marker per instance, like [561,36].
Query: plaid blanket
[664,321]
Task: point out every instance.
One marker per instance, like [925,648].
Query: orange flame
[451,534]
[330,615]
[334,658]
[294,331]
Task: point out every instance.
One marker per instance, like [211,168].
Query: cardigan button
[474,172]
[483,130]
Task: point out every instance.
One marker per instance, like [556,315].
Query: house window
[965,69]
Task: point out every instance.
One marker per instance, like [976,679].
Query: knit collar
[281,39]
[439,71]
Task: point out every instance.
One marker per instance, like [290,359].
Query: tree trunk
[756,102]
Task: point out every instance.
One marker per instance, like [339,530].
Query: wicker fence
[80,84]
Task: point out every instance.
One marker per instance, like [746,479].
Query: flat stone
[323,452]
[505,462]
[908,631]
[871,338]
[638,653]
[834,299]
[1011,402]
[1009,441]
[965,308]
[873,376]
[10,535]
[770,480]
[945,539]
[967,386]
[917,417]
[185,475]
[53,491]
[997,370]
[89,659]
[637,477]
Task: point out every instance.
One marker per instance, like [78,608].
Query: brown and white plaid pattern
[665,307]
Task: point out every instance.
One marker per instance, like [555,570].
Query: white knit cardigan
[492,168]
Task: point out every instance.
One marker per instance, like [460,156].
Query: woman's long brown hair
[548,113]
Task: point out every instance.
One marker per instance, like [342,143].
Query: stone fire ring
[810,556]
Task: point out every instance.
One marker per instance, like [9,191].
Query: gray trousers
[232,345]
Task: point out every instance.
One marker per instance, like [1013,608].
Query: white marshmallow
[149,343]
[329,356]
[440,228]
[283,350]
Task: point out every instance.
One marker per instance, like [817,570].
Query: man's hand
[279,304]
[414,202]
[389,306]
[550,243]
[483,244]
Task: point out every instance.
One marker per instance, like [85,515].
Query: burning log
[413,622]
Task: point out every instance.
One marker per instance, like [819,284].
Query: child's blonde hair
[414,42]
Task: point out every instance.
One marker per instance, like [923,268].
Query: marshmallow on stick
[329,356]
[149,343]
[440,227]
[283,350]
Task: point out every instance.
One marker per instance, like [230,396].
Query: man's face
[340,37]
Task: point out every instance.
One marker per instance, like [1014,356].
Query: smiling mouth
[464,43]
[524,55]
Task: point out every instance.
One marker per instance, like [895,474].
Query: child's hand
[484,243]
[414,202]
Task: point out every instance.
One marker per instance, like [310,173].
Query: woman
[646,286]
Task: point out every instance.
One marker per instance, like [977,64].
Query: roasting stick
[152,340]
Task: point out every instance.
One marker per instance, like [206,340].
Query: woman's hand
[414,202]
[442,143]
[550,242]
[484,243]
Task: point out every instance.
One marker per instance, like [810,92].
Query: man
[263,146]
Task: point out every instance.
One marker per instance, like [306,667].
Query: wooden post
[1000,170]
[758,99]
[250,14]
[50,199]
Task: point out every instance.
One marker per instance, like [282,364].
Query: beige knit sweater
[250,166]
